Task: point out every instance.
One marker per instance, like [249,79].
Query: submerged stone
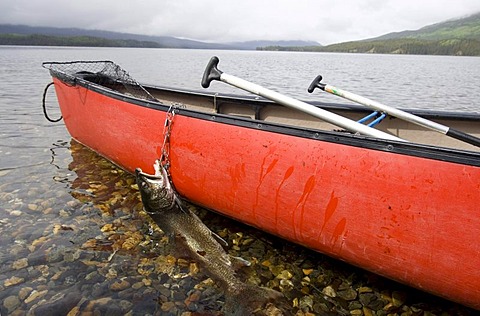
[11,303]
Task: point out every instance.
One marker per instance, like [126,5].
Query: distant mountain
[255,44]
[162,41]
[459,37]
[463,28]
[73,36]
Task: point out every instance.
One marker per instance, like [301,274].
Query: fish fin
[225,259]
[181,205]
[218,238]
[178,247]
[239,262]
[184,209]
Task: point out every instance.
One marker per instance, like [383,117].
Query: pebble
[16,213]
[368,312]
[18,250]
[137,285]
[348,294]
[20,264]
[119,285]
[364,289]
[32,207]
[63,213]
[356,312]
[285,275]
[24,292]
[146,282]
[125,305]
[59,304]
[92,304]
[13,281]
[34,295]
[112,273]
[11,303]
[398,298]
[329,291]
[168,306]
[307,271]
[306,303]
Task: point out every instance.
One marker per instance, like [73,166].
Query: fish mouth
[139,172]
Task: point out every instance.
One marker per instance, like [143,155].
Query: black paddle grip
[211,72]
[464,137]
[316,84]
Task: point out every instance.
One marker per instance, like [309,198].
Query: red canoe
[405,210]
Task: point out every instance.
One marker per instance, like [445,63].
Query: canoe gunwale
[344,138]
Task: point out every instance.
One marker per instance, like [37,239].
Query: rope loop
[44,106]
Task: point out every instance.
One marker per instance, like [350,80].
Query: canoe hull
[410,218]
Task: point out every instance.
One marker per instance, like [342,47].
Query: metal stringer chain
[167,132]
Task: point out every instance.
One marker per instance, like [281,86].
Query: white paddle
[213,73]
[316,83]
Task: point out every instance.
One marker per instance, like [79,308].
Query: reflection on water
[96,251]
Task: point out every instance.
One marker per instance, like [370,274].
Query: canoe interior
[270,112]
[263,110]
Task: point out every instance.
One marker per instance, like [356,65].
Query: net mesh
[105,73]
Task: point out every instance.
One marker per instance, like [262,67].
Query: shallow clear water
[73,237]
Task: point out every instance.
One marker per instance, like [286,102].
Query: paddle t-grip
[211,72]
[316,84]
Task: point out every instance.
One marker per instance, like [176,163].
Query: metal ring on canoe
[45,108]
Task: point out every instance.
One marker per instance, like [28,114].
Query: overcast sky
[324,21]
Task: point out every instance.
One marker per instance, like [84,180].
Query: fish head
[156,191]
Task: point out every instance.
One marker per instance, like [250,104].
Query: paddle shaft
[212,73]
[395,112]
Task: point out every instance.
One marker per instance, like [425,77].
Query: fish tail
[255,300]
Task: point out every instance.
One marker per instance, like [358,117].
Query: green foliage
[465,28]
[458,47]
[456,37]
[81,41]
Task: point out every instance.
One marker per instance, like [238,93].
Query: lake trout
[187,231]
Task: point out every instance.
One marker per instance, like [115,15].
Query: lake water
[74,239]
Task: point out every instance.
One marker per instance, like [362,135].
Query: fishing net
[105,73]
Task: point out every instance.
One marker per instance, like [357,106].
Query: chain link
[167,132]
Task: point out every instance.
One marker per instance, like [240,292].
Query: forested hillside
[81,41]
[459,37]
[465,28]
[457,47]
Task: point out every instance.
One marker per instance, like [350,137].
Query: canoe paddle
[213,73]
[316,83]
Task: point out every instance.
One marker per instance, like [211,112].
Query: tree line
[82,41]
[457,47]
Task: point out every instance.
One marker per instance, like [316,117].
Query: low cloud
[223,21]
